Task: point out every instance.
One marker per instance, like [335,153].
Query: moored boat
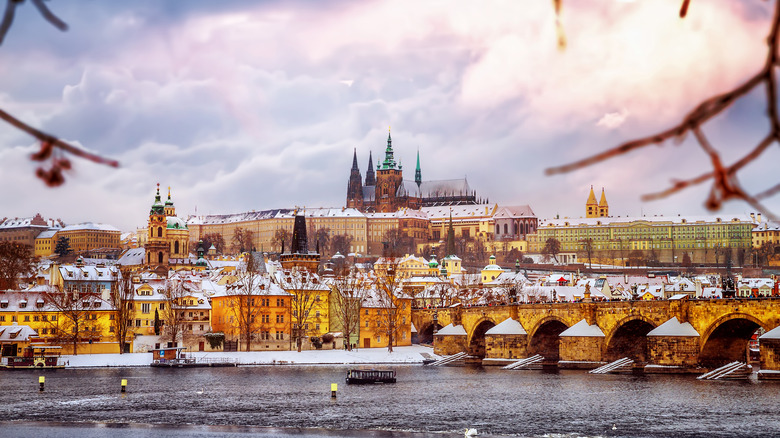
[35,357]
[370,376]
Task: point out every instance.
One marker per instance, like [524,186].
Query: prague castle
[386,191]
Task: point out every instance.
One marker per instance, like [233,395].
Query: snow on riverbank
[410,355]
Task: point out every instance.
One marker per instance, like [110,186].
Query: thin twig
[725,184]
[48,138]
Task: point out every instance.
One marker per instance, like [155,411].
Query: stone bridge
[607,331]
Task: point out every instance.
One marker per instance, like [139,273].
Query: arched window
[514,227]
[159,257]
[506,229]
[176,247]
[498,229]
[159,231]
[149,258]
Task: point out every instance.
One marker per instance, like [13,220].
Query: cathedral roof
[514,212]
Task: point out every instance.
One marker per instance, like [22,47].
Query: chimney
[759,218]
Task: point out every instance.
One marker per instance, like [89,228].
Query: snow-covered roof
[622,221]
[459,212]
[673,327]
[514,212]
[91,226]
[48,234]
[582,328]
[132,257]
[771,334]
[414,329]
[507,327]
[236,217]
[450,329]
[16,333]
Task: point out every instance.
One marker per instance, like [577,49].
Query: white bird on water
[470,432]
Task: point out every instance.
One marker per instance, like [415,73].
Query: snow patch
[507,327]
[673,327]
[582,328]
[452,330]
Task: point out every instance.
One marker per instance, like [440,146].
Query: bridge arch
[628,339]
[425,335]
[545,338]
[476,340]
[726,340]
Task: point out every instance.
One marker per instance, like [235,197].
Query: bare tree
[321,239]
[16,261]
[173,314]
[122,298]
[587,250]
[307,294]
[388,298]
[551,249]
[396,243]
[242,240]
[280,238]
[216,240]
[245,300]
[348,292]
[75,319]
[341,243]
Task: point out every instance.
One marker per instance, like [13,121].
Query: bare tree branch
[725,186]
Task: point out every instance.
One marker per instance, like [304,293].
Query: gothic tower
[156,248]
[299,255]
[603,206]
[355,186]
[388,178]
[370,178]
[591,206]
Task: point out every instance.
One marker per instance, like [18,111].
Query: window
[111,329]
[53,331]
[378,338]
[317,327]
[44,331]
[53,318]
[279,318]
[146,308]
[162,306]
[22,304]
[36,318]
[26,318]
[317,314]
[366,324]
[280,302]
[265,318]
[138,323]
[2,318]
[279,336]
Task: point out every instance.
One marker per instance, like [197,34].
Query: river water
[285,401]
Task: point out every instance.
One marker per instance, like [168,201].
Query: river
[285,401]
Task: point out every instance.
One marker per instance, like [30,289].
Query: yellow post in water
[41,381]
[333,388]
[124,385]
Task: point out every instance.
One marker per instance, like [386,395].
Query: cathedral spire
[591,205]
[354,160]
[389,162]
[370,176]
[418,172]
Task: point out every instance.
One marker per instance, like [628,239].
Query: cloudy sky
[254,105]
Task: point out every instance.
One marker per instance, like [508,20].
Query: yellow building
[596,209]
[404,267]
[665,239]
[45,244]
[467,221]
[766,232]
[491,271]
[37,310]
[378,315]
[268,312]
[86,237]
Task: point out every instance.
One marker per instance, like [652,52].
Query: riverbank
[400,355]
